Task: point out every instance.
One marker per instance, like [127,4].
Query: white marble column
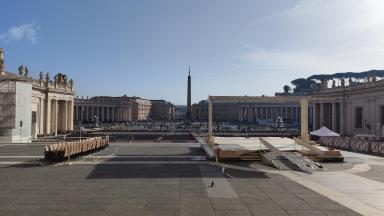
[92,112]
[240,113]
[75,113]
[47,125]
[81,113]
[42,115]
[108,114]
[269,112]
[101,110]
[64,116]
[113,114]
[342,114]
[87,112]
[314,117]
[54,117]
[70,115]
[274,112]
[210,127]
[334,116]
[321,115]
[304,119]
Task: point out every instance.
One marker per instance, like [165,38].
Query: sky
[144,48]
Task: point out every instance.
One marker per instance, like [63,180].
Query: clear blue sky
[143,48]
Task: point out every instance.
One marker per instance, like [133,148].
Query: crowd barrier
[60,151]
[361,145]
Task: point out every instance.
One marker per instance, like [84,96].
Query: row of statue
[324,83]
[58,79]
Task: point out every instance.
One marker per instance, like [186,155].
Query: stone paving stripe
[334,195]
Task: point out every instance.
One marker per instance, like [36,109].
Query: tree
[287,89]
[302,84]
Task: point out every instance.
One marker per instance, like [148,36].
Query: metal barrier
[362,145]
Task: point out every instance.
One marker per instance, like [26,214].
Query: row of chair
[63,150]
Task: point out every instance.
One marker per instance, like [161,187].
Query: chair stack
[63,150]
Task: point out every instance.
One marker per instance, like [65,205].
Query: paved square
[125,184]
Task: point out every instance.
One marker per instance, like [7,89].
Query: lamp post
[21,128]
[82,112]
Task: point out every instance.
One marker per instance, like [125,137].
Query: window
[358,117]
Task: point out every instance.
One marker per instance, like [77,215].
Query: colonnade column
[54,117]
[333,116]
[304,119]
[210,129]
[342,118]
[102,114]
[92,113]
[81,113]
[75,114]
[314,117]
[113,114]
[42,116]
[321,115]
[297,115]
[64,116]
[47,128]
[108,116]
[70,115]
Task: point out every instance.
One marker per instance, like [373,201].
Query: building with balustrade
[350,108]
[30,107]
[356,108]
[250,109]
[121,109]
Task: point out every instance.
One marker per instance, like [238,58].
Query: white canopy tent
[324,132]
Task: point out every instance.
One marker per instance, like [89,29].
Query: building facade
[162,110]
[251,109]
[31,107]
[356,108]
[121,109]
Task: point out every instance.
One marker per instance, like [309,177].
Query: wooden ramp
[287,160]
[290,161]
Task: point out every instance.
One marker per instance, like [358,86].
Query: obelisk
[2,64]
[189,105]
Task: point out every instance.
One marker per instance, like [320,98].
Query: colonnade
[103,113]
[330,115]
[57,116]
[253,113]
